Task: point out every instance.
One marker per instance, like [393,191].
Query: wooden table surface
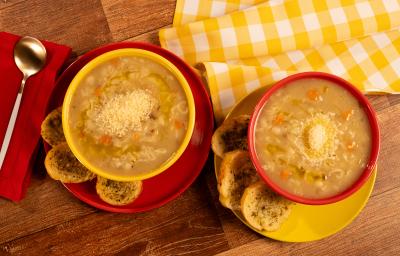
[51,221]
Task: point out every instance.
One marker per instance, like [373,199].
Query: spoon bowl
[29,55]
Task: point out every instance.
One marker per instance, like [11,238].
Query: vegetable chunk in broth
[313,138]
[129,116]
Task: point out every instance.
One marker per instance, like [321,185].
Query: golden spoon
[30,57]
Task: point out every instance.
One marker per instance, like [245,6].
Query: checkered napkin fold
[245,44]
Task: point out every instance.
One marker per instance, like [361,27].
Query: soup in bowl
[314,138]
[128,114]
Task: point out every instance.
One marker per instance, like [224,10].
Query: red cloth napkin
[16,170]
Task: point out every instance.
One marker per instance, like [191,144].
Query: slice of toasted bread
[231,135]
[263,209]
[118,192]
[236,173]
[62,165]
[51,128]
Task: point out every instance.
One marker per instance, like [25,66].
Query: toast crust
[237,172]
[231,135]
[117,192]
[263,209]
[62,165]
[51,128]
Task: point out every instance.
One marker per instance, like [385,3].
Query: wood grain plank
[79,24]
[235,231]
[393,99]
[186,226]
[379,102]
[47,203]
[128,19]
[374,232]
[388,165]
[149,37]
[8,3]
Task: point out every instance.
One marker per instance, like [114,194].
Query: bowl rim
[135,52]
[375,137]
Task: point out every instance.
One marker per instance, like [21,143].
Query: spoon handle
[11,123]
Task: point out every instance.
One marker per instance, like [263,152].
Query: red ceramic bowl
[374,133]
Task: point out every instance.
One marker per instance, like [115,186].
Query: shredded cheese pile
[123,113]
[317,137]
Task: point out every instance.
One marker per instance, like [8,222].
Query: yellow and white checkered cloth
[246,44]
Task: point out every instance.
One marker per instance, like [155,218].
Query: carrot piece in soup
[81,134]
[285,174]
[279,119]
[313,94]
[97,91]
[115,62]
[178,124]
[105,139]
[351,145]
[135,136]
[347,114]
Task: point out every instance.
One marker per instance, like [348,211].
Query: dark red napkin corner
[17,166]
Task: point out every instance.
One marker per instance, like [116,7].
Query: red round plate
[168,185]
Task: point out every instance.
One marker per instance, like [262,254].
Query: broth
[128,116]
[313,138]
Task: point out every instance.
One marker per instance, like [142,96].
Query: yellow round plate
[307,222]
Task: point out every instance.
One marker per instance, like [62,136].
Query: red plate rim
[189,74]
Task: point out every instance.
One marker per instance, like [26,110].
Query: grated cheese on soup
[123,113]
[317,137]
